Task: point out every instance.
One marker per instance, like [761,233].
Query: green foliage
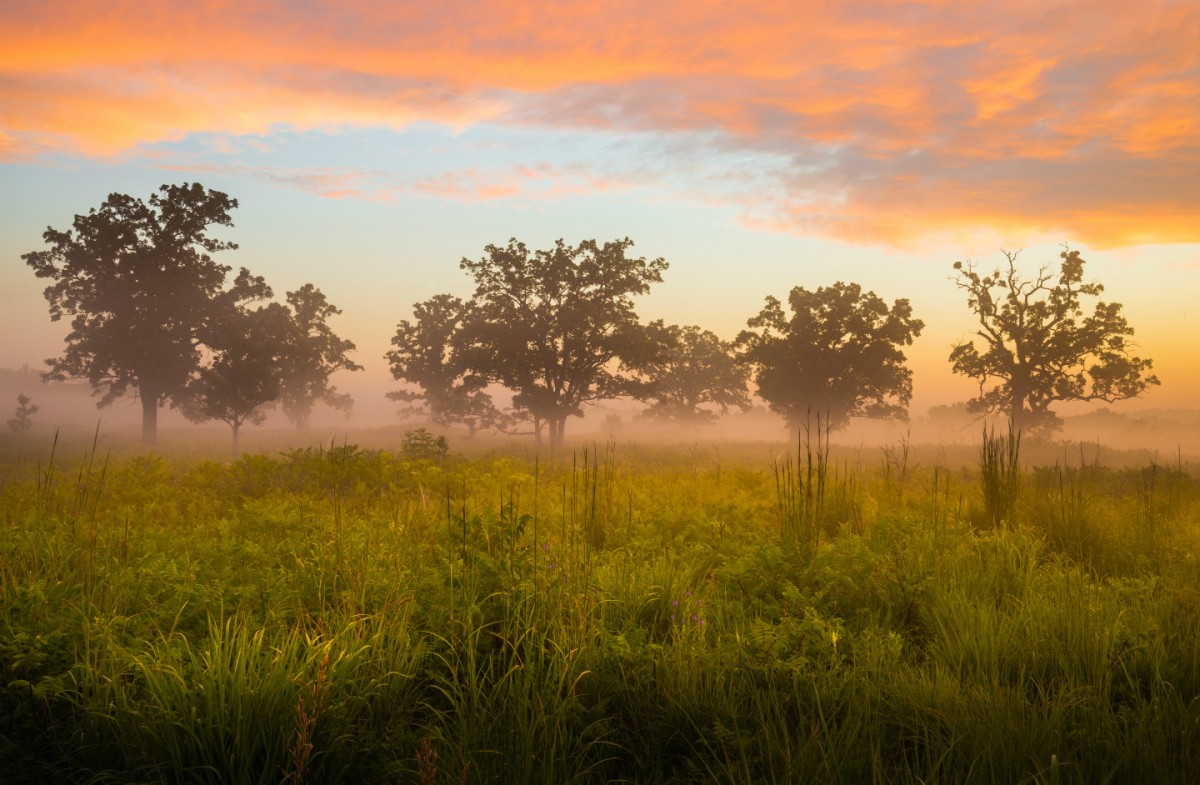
[1038,348]
[839,354]
[800,490]
[423,445]
[1000,476]
[348,615]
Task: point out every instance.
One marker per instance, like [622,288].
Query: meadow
[723,613]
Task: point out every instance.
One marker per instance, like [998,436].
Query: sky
[756,146]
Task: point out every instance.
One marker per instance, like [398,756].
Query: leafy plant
[420,444]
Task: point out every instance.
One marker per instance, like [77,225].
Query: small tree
[428,353]
[557,326]
[314,353]
[837,356]
[138,281]
[244,371]
[423,445]
[1038,348]
[693,369]
[22,420]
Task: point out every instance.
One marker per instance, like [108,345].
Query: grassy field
[705,613]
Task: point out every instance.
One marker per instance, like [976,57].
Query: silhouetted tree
[693,368]
[428,353]
[138,281]
[247,356]
[22,420]
[837,356]
[555,326]
[1038,348]
[314,353]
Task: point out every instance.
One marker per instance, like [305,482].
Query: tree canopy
[246,358]
[137,279]
[838,355]
[557,326]
[693,369]
[313,354]
[428,353]
[1036,346]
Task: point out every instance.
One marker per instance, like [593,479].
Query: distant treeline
[153,315]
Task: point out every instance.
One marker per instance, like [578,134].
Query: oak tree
[693,372]
[314,353]
[1036,346]
[557,326]
[137,280]
[837,355]
[244,369]
[428,354]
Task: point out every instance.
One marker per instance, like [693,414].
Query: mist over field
[376,422]
[782,391]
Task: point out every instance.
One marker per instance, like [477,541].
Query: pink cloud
[524,182]
[896,118]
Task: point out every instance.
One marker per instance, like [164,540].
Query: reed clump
[1000,476]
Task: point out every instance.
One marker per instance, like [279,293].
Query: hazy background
[755,146]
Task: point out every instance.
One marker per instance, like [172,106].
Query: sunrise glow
[756,146]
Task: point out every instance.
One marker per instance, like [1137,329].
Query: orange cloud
[332,184]
[898,118]
[528,182]
[472,184]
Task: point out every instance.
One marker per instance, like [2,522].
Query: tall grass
[247,704]
[1000,476]
[342,615]
[800,487]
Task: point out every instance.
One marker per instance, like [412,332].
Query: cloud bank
[872,121]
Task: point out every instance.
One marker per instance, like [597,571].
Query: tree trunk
[558,428]
[149,416]
[537,432]
[1017,407]
[235,450]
